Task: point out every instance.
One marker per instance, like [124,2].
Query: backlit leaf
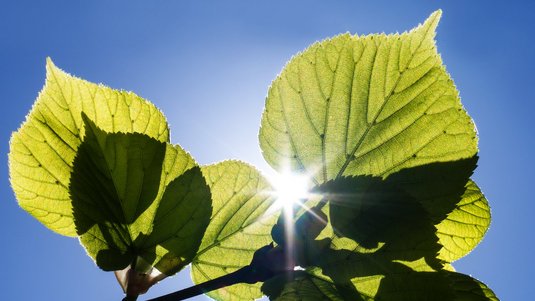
[377,122]
[43,149]
[366,105]
[465,227]
[241,223]
[137,201]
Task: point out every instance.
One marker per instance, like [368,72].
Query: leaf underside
[43,148]
[241,223]
[365,105]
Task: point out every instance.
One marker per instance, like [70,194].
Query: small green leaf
[241,223]
[365,105]
[470,289]
[456,205]
[465,227]
[43,149]
[137,201]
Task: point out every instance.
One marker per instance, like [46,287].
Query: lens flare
[289,189]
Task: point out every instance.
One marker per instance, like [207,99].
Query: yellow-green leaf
[366,105]
[43,148]
[465,226]
[241,223]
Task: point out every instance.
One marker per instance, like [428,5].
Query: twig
[240,276]
[267,262]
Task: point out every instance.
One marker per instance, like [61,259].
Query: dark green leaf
[137,200]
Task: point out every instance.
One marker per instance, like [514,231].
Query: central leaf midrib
[350,156]
[326,116]
[66,102]
[401,131]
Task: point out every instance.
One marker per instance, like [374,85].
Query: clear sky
[208,65]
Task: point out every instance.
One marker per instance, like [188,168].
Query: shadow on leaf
[127,208]
[383,242]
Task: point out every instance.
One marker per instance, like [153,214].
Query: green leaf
[241,223]
[366,276]
[468,288]
[377,122]
[43,148]
[465,227]
[383,246]
[365,105]
[137,201]
[359,276]
[382,219]
[437,186]
[456,205]
[300,286]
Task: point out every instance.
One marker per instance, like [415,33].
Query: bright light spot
[289,189]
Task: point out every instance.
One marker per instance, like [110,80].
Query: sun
[290,188]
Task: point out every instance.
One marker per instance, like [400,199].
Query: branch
[239,276]
[267,262]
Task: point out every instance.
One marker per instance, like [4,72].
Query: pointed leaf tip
[52,69]
[432,21]
[43,148]
[50,65]
[427,29]
[436,14]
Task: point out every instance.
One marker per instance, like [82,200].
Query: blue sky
[208,64]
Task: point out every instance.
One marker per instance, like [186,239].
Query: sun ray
[290,188]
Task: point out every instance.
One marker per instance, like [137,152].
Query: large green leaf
[43,149]
[366,105]
[241,223]
[377,122]
[137,201]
